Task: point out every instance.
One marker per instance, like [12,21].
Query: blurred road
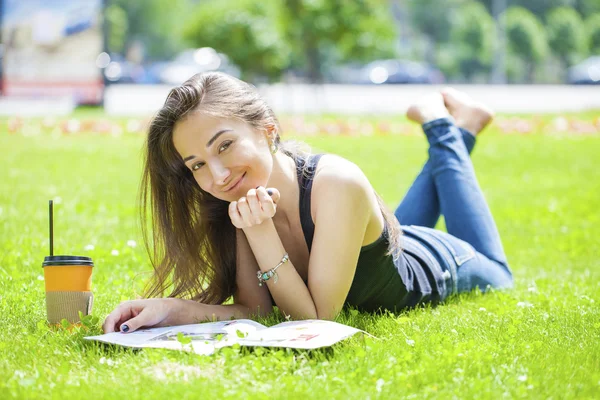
[132,100]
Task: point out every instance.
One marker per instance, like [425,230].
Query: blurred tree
[116,26]
[266,37]
[526,38]
[337,31]
[248,31]
[566,35]
[538,7]
[155,23]
[587,7]
[473,37]
[592,27]
[433,19]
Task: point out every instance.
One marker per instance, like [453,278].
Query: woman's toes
[467,113]
[454,99]
[427,108]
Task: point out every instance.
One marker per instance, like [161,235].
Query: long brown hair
[193,242]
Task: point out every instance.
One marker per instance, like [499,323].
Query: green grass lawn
[540,340]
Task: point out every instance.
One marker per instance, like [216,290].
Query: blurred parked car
[193,61]
[387,72]
[117,69]
[586,72]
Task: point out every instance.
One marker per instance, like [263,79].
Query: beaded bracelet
[265,276]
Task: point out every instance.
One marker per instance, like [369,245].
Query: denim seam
[430,257]
[447,254]
[437,122]
[459,260]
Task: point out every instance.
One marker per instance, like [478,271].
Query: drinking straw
[51,230]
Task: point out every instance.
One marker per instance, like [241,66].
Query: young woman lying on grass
[236,212]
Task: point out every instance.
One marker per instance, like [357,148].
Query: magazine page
[210,333]
[308,334]
[207,337]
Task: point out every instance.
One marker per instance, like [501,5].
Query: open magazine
[207,337]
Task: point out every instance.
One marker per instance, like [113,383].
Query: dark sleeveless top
[394,281]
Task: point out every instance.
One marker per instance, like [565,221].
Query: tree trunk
[313,59]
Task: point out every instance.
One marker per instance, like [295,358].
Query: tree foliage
[248,33]
[337,30]
[592,27]
[526,38]
[433,19]
[155,23]
[537,7]
[566,34]
[265,37]
[473,34]
[117,25]
[587,7]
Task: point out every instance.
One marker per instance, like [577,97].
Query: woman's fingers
[254,204]
[244,210]
[234,214]
[134,314]
[256,207]
[122,313]
[268,205]
[145,318]
[274,194]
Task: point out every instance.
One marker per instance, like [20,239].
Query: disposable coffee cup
[68,282]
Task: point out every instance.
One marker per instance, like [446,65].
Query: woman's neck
[285,179]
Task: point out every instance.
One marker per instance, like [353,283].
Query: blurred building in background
[51,47]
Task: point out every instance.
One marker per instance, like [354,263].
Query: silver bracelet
[265,276]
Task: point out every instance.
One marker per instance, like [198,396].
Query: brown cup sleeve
[67,305]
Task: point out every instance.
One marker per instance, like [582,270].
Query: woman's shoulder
[336,171]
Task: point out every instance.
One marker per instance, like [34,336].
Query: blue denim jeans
[471,250]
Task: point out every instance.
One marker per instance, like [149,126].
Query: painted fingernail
[124,328]
[270,192]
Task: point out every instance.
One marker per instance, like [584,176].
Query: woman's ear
[271,131]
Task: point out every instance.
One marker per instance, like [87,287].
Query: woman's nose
[219,172]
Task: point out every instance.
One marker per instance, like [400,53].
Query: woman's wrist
[193,312]
[265,230]
[179,309]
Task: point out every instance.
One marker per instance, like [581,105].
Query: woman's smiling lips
[236,184]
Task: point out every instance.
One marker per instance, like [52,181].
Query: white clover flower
[40,278]
[89,247]
[524,304]
[522,378]
[131,243]
[107,361]
[114,252]
[410,342]
[482,309]
[379,385]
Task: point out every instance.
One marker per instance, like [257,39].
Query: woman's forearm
[193,312]
[289,291]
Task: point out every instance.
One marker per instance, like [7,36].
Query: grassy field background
[540,340]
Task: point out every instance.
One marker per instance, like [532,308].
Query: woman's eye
[197,166]
[225,146]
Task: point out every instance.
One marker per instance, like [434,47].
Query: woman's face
[226,156]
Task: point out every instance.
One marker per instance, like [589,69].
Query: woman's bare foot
[427,108]
[467,113]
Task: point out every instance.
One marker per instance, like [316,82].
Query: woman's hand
[256,207]
[133,314]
